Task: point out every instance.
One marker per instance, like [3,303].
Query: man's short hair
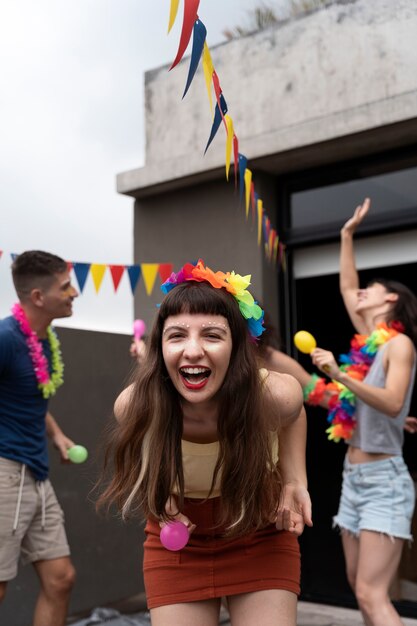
[35,269]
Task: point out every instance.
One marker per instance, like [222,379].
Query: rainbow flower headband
[235,284]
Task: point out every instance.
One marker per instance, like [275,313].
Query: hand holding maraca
[323,359]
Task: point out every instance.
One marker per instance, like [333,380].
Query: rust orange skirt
[211,566]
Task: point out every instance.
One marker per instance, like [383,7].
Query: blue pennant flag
[199,37]
[242,167]
[134,275]
[217,119]
[81,272]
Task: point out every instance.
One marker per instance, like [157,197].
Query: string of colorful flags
[149,272]
[192,25]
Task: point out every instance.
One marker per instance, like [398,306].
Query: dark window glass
[396,191]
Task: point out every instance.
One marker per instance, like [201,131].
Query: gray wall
[106,552]
[203,221]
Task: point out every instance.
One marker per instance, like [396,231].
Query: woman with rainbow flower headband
[197,441]
[370,399]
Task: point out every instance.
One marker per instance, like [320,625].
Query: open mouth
[195,377]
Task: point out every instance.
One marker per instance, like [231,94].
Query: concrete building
[325,108]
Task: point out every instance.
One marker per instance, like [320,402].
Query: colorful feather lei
[356,364]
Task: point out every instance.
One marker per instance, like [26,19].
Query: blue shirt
[22,405]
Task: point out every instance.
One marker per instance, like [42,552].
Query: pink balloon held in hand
[139,328]
[174,536]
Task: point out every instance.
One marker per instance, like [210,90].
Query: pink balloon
[174,536]
[139,328]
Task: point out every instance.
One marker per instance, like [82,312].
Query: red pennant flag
[165,271]
[190,16]
[69,265]
[218,92]
[116,272]
[1,253]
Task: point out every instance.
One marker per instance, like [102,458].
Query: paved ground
[309,614]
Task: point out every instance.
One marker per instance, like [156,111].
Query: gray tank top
[376,432]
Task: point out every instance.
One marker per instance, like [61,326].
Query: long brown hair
[404,309]
[146,445]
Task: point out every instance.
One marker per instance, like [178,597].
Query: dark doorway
[319,309]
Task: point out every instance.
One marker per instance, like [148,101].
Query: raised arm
[349,280]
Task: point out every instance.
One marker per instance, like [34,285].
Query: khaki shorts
[39,530]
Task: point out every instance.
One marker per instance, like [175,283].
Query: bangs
[195,297]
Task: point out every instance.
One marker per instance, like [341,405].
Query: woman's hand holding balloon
[172,534]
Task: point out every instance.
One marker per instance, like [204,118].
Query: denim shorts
[377,496]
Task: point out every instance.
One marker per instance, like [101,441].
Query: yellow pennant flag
[97,271]
[248,184]
[260,213]
[269,247]
[208,68]
[149,273]
[229,142]
[276,245]
[173,13]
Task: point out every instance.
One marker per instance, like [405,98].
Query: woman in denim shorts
[378,496]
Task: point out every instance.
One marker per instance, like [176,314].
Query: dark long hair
[404,309]
[146,445]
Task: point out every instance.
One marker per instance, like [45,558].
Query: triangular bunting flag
[208,72]
[81,272]
[260,212]
[13,255]
[69,266]
[242,167]
[149,272]
[235,157]
[165,271]
[190,16]
[134,275]
[1,253]
[199,37]
[97,271]
[218,115]
[229,143]
[248,185]
[116,272]
[173,13]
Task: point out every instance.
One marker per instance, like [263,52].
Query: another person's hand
[138,349]
[294,510]
[325,361]
[171,508]
[359,214]
[411,425]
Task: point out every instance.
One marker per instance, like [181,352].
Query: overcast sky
[71,118]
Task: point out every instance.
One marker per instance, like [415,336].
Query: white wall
[379,251]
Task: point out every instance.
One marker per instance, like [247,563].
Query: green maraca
[77,454]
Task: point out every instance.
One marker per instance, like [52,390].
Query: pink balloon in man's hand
[174,536]
[139,328]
